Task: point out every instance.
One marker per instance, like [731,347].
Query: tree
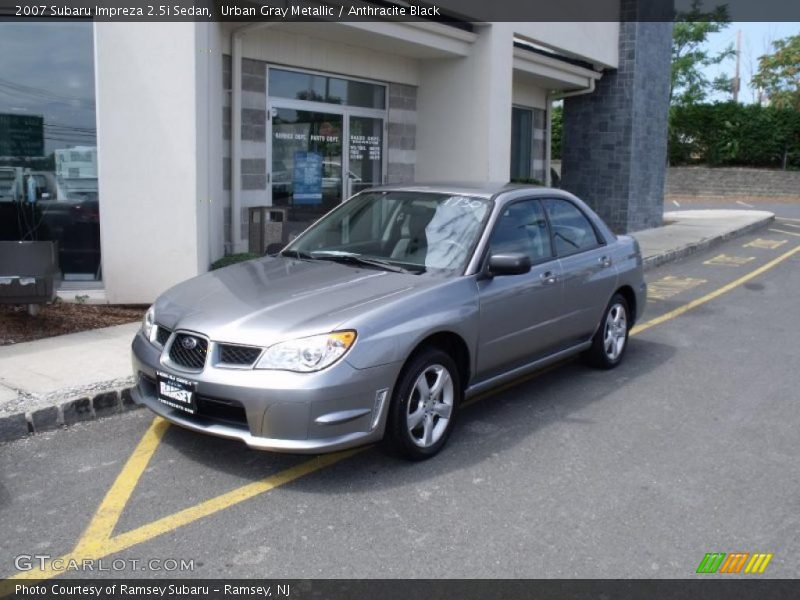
[690,57]
[779,73]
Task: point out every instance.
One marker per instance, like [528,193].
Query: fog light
[377,410]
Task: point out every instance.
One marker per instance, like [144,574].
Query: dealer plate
[176,392]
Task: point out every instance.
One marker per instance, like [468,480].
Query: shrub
[232,259]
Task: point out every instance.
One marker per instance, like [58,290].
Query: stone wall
[615,139]
[688,182]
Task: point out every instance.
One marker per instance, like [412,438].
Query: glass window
[572,231]
[48,147]
[522,228]
[521,144]
[322,88]
[420,231]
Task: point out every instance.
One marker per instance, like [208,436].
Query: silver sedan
[381,318]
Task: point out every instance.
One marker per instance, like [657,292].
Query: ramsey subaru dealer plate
[176,392]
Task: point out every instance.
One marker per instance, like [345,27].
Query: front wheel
[611,339]
[424,405]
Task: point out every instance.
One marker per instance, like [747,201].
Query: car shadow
[486,429]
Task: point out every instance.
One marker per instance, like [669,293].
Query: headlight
[148,323]
[308,354]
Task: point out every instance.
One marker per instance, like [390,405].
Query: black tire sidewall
[397,434]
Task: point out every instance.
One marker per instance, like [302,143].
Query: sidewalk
[47,383]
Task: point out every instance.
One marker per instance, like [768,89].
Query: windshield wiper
[298,254]
[351,258]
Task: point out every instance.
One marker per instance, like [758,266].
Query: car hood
[267,300]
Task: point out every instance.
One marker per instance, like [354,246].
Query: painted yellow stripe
[223,501]
[794,233]
[715,294]
[107,515]
[96,548]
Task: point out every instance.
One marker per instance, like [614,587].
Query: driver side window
[522,228]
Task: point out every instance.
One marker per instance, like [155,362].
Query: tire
[416,430]
[610,341]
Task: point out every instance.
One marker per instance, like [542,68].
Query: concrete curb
[116,401]
[651,262]
[68,412]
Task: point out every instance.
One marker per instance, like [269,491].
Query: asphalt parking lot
[689,447]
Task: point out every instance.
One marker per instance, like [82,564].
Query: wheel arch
[452,344]
[627,292]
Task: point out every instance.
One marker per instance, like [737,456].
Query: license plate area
[176,392]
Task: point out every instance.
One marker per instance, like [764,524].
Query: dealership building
[210,138]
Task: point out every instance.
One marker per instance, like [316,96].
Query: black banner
[445,11]
[733,588]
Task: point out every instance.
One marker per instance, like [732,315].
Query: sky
[756,41]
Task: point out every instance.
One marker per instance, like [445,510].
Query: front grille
[219,409]
[241,356]
[162,334]
[193,357]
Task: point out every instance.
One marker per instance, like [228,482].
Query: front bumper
[329,410]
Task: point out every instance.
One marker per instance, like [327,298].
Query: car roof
[484,190]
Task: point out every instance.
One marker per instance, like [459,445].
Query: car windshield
[416,231]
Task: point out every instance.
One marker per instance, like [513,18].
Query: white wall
[528,94]
[464,112]
[292,45]
[155,125]
[594,42]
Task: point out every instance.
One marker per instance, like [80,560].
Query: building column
[158,135]
[614,144]
[464,112]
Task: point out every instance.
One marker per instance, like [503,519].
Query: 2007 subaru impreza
[384,315]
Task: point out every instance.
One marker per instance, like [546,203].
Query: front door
[520,314]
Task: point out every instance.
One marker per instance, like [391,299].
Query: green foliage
[730,134]
[557,126]
[779,73]
[232,259]
[688,84]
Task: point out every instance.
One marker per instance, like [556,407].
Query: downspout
[236,129]
[552,96]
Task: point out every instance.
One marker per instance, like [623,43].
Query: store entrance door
[320,155]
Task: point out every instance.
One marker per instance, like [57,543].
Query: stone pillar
[614,145]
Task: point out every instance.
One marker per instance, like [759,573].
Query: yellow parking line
[715,294]
[107,515]
[98,540]
[786,232]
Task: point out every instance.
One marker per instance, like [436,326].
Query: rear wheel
[611,339]
[424,405]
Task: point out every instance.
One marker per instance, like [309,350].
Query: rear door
[589,276]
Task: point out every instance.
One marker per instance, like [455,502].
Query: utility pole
[736,79]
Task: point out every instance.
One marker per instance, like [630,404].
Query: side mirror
[509,264]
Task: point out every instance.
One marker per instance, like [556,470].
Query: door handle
[548,278]
[604,261]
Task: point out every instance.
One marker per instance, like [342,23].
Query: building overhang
[552,73]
